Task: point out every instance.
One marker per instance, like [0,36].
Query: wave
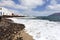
[40,29]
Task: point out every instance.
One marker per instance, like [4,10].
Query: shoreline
[13,31]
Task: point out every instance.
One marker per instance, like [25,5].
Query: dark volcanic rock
[8,29]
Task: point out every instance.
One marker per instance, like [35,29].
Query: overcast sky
[32,7]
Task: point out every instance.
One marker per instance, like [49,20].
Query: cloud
[25,4]
[54,5]
[31,3]
[9,3]
[39,13]
[14,11]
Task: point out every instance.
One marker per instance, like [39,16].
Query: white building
[4,11]
[0,11]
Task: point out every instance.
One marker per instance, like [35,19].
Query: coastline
[13,31]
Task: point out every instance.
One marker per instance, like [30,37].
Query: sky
[32,7]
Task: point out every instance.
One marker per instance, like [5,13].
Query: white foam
[41,29]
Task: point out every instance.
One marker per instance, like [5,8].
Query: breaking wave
[40,29]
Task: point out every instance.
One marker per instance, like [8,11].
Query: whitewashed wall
[6,12]
[0,11]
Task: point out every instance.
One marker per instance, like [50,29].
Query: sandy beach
[26,36]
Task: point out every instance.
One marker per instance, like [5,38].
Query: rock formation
[9,30]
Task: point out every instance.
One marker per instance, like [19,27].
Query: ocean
[40,29]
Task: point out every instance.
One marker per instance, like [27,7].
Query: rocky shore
[12,31]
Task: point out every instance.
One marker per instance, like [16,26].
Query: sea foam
[40,29]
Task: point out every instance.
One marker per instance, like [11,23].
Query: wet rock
[8,29]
